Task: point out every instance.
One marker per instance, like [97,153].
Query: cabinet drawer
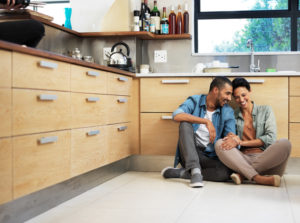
[294,109]
[39,111]
[159,134]
[5,112]
[88,80]
[166,94]
[118,109]
[262,93]
[88,149]
[40,73]
[5,64]
[294,86]
[118,84]
[88,109]
[295,139]
[5,170]
[118,142]
[40,160]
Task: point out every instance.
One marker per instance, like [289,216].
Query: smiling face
[223,95]
[242,97]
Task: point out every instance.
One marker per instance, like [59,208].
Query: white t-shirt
[202,133]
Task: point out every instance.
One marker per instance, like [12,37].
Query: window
[225,26]
[55,9]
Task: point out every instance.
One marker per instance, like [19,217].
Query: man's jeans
[192,156]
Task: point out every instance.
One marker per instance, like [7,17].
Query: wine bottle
[179,21]
[147,15]
[142,21]
[186,19]
[164,24]
[172,21]
[155,19]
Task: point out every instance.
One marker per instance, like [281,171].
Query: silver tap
[253,68]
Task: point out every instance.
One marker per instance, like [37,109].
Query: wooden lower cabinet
[40,160]
[159,134]
[6,193]
[295,139]
[118,109]
[37,111]
[118,142]
[5,112]
[88,149]
[5,72]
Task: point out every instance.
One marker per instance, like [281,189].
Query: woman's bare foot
[273,180]
[236,178]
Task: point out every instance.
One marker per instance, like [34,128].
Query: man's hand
[211,130]
[10,4]
[230,141]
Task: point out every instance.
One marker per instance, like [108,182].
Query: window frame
[292,12]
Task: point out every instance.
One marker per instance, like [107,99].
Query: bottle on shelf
[142,20]
[186,19]
[155,20]
[136,20]
[172,21]
[179,21]
[164,24]
[147,14]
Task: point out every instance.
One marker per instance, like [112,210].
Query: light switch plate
[160,56]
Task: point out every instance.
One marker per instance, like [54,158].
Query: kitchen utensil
[118,59]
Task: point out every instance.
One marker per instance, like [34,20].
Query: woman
[254,153]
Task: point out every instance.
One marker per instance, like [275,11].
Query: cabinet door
[40,160]
[5,72]
[159,134]
[88,80]
[5,170]
[294,109]
[5,112]
[295,139]
[118,84]
[118,142]
[272,91]
[294,86]
[88,109]
[118,109]
[40,73]
[39,111]
[166,94]
[88,149]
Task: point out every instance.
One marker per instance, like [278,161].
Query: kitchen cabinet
[6,170]
[40,160]
[119,84]
[294,118]
[159,97]
[5,112]
[5,64]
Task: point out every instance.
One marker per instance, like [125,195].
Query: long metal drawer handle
[47,64]
[92,99]
[94,132]
[256,81]
[45,140]
[92,73]
[122,100]
[175,81]
[123,79]
[123,128]
[47,97]
[166,117]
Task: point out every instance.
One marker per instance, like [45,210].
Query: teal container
[68,13]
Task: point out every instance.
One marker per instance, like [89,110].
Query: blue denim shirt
[223,120]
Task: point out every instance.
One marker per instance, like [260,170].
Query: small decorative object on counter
[76,54]
[89,59]
[136,19]
[172,21]
[164,24]
[68,13]
[155,20]
[186,19]
[179,21]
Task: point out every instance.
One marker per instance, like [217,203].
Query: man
[24,32]
[203,120]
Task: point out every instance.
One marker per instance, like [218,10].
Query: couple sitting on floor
[216,143]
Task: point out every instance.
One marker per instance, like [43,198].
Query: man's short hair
[219,82]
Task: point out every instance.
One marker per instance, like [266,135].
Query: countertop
[232,74]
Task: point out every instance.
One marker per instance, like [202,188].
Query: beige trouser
[272,161]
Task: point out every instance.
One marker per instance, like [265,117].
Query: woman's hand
[10,5]
[230,141]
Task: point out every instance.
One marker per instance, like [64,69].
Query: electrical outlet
[160,56]
[106,53]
